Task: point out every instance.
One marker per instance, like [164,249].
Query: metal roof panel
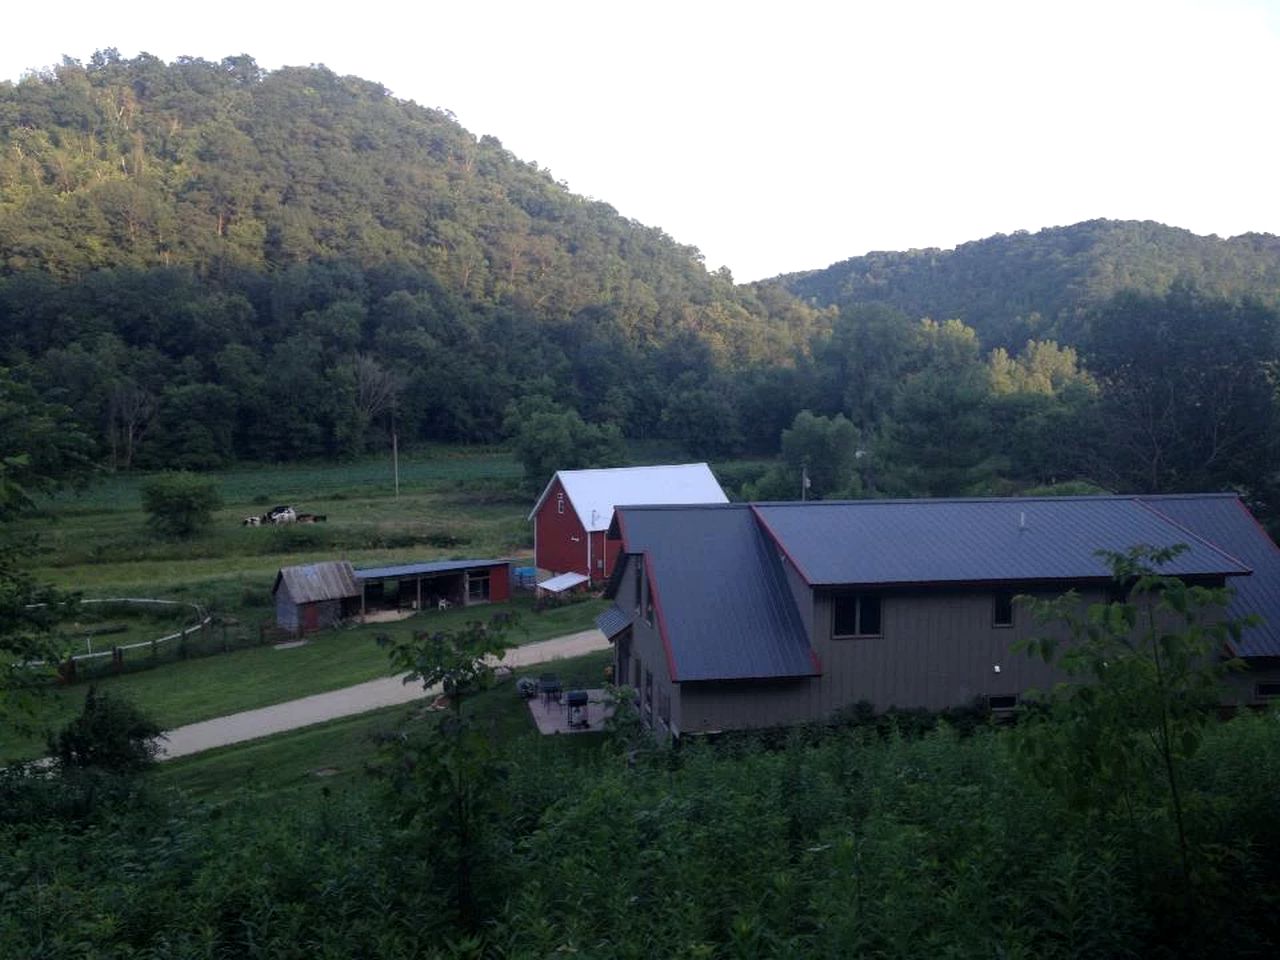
[421,569]
[1224,520]
[728,610]
[884,542]
[595,493]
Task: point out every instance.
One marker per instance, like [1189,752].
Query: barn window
[648,697]
[1268,690]
[559,503]
[664,708]
[648,602]
[639,576]
[478,587]
[855,615]
[1002,702]
[1002,609]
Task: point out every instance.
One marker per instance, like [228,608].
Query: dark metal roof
[891,542]
[613,621]
[1224,520]
[723,603]
[332,580]
[422,569]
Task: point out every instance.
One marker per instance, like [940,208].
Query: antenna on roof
[1022,520]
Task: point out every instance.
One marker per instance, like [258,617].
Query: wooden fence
[207,635]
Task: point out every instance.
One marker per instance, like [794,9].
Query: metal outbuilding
[434,584]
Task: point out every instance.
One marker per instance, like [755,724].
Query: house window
[1267,690]
[478,587]
[648,602]
[855,615]
[639,584]
[648,697]
[664,708]
[1002,609]
[1001,703]
[559,503]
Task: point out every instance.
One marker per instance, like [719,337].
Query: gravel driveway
[363,697]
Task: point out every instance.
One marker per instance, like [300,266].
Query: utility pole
[395,451]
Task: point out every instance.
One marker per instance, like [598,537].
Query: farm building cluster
[728,616]
[319,595]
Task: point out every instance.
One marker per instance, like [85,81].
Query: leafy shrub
[180,504]
[109,734]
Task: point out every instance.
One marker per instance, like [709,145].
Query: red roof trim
[1187,530]
[779,544]
[1261,529]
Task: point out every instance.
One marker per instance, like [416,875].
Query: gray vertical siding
[646,644]
[286,611]
[937,650]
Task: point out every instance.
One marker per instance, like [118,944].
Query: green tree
[449,786]
[825,449]
[110,734]
[546,437]
[1145,676]
[41,450]
[1187,390]
[180,504]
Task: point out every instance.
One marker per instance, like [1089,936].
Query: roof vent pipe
[1022,520]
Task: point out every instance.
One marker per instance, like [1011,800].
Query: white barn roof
[594,493]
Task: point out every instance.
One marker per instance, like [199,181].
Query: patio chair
[550,687]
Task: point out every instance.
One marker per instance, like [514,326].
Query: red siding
[561,540]
[500,583]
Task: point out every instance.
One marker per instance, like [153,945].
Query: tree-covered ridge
[1013,287]
[224,167]
[206,262]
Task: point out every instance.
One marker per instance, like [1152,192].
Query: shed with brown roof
[315,595]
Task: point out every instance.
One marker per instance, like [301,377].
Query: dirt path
[264,721]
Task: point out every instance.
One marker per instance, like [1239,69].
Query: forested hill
[1011,288]
[223,167]
[207,257]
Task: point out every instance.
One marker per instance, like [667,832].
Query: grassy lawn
[187,691]
[336,754]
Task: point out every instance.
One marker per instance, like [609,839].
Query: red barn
[572,516]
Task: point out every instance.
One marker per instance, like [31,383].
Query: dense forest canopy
[1013,287]
[206,262]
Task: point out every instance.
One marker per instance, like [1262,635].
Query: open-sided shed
[441,583]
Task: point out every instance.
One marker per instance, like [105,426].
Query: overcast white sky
[788,135]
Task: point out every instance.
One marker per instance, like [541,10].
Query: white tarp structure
[566,581]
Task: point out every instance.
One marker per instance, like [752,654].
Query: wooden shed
[315,596]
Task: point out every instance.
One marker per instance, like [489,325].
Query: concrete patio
[553,716]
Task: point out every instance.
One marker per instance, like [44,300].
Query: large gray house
[752,615]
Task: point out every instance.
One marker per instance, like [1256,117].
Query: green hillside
[1010,288]
[206,260]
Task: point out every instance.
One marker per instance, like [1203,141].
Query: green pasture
[453,502]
